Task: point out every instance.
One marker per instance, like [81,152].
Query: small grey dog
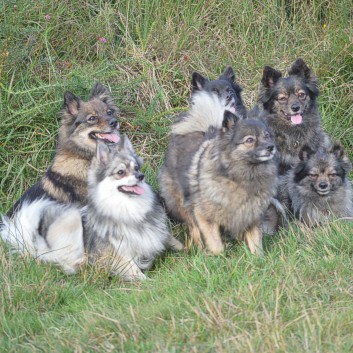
[230,182]
[125,225]
[318,189]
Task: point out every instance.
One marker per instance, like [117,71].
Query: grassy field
[298,298]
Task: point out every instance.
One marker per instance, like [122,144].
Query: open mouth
[265,157]
[323,192]
[231,106]
[107,137]
[131,190]
[296,119]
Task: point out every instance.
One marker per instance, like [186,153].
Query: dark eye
[92,118]
[215,90]
[136,168]
[282,99]
[109,112]
[301,95]
[120,172]
[332,175]
[267,135]
[230,91]
[311,175]
[250,140]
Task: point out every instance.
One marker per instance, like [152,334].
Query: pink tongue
[231,109]
[138,190]
[111,137]
[296,119]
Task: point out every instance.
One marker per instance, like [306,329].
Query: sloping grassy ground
[296,299]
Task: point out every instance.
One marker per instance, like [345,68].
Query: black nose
[139,176]
[295,107]
[270,148]
[113,122]
[323,185]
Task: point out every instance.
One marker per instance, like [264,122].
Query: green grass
[298,298]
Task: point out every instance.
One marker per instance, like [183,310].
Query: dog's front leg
[210,232]
[253,238]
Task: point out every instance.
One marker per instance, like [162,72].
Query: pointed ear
[71,103]
[126,144]
[338,151]
[229,120]
[305,153]
[299,68]
[102,152]
[99,91]
[198,81]
[228,74]
[270,76]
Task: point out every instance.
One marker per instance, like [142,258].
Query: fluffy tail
[206,110]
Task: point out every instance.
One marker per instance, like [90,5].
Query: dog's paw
[175,244]
[133,277]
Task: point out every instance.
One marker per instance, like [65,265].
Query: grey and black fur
[318,189]
[209,100]
[229,183]
[289,106]
[125,225]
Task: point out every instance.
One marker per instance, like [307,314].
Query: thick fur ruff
[289,106]
[125,224]
[48,231]
[317,189]
[209,100]
[230,182]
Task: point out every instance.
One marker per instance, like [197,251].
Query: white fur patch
[63,242]
[206,110]
[118,205]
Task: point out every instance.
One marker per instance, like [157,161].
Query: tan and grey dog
[82,123]
[318,189]
[230,182]
[46,221]
[209,100]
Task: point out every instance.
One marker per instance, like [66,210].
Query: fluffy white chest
[122,207]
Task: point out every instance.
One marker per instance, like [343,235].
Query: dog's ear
[229,120]
[101,92]
[300,69]
[338,151]
[125,144]
[71,103]
[198,81]
[102,152]
[270,76]
[228,74]
[301,169]
[305,153]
